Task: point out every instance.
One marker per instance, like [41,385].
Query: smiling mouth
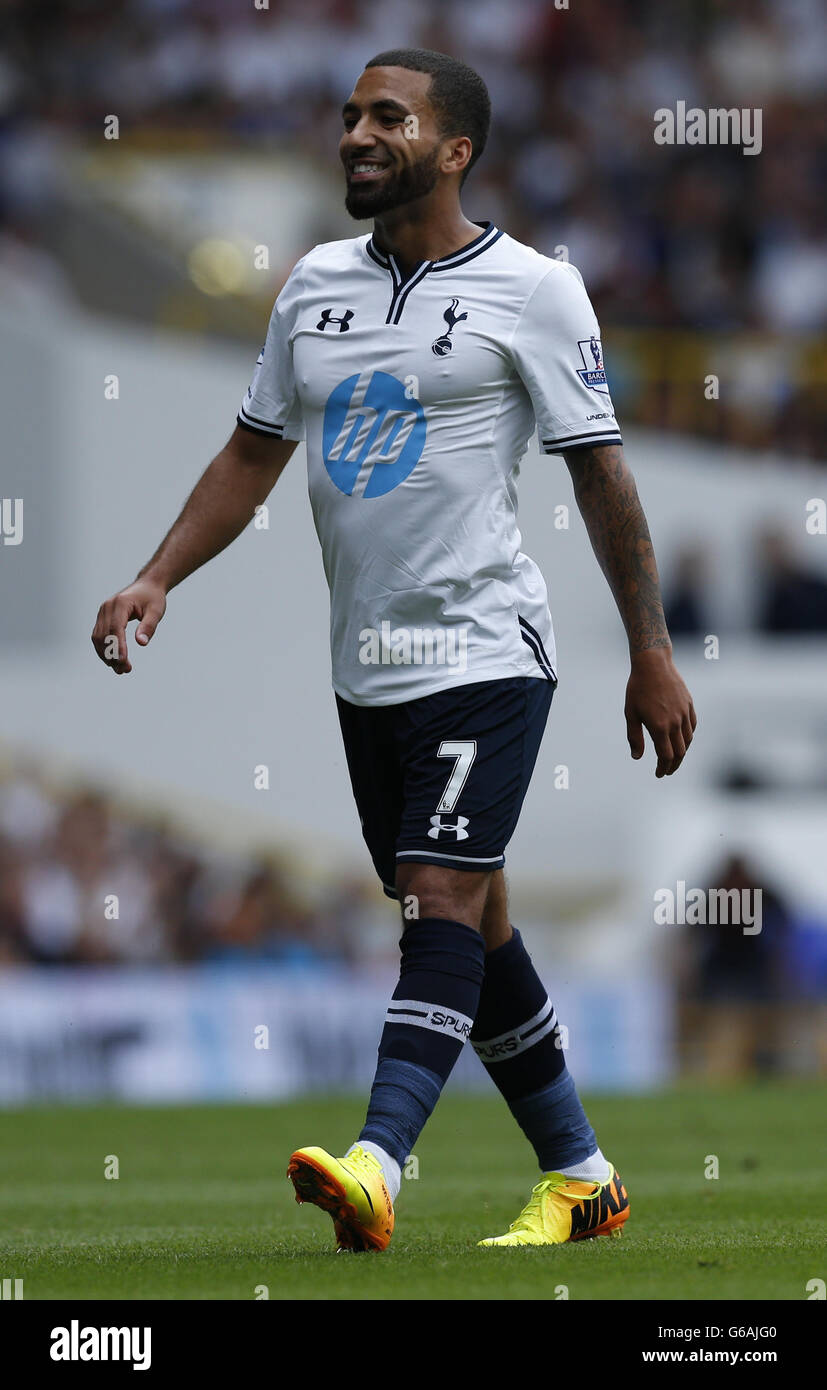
[363,171]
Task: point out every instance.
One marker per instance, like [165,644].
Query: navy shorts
[442,779]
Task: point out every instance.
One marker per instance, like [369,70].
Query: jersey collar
[486,238]
[402,288]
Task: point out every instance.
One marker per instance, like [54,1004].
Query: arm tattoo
[607,497]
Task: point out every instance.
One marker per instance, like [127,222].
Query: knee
[425,890]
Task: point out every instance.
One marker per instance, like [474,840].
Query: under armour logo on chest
[328,317]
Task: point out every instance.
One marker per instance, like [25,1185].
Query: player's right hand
[146,600]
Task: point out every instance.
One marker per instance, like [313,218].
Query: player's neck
[411,236]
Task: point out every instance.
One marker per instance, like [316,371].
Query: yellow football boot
[351,1189]
[562,1209]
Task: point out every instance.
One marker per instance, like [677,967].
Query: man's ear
[459,155]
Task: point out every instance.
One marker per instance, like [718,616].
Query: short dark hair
[457,94]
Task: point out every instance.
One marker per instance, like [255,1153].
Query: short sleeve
[557,352]
[271,405]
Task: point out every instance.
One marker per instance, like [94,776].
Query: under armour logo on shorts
[459,830]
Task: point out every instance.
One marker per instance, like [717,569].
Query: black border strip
[539,654]
[553,446]
[271,431]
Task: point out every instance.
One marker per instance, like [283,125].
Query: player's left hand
[658,700]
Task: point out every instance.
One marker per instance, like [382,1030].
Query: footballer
[416,361]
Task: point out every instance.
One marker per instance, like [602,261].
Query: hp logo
[373,434]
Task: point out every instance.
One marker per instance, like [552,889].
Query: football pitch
[201,1208]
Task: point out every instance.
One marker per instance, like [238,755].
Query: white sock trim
[595,1168]
[391,1171]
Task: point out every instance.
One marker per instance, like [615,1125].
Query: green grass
[201,1209]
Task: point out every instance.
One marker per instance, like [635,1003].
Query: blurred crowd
[751,1002]
[789,594]
[86,880]
[667,237]
[663,235]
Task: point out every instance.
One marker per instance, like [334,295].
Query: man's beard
[412,182]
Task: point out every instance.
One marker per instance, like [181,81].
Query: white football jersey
[417,398]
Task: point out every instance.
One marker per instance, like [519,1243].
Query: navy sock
[516,1036]
[428,1020]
